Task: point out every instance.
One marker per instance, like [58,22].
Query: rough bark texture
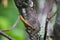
[27,10]
[36,13]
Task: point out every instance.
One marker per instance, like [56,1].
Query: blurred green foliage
[8,17]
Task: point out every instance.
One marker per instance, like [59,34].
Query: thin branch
[14,25]
[5,35]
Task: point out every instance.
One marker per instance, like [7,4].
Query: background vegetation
[8,16]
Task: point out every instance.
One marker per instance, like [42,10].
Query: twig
[5,35]
[25,21]
[14,25]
